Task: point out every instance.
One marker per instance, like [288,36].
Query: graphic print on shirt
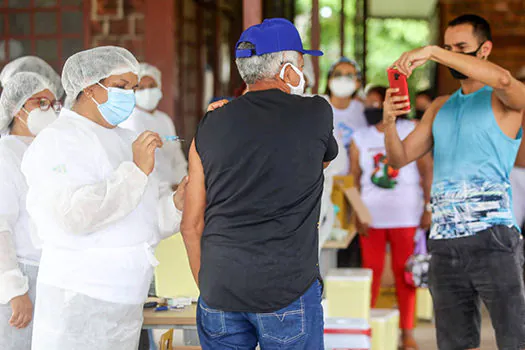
[384,175]
[344,133]
[463,207]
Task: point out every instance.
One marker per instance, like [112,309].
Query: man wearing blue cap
[252,207]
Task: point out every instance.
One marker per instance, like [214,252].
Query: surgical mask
[148,99]
[119,105]
[294,90]
[419,113]
[38,120]
[459,75]
[342,87]
[373,115]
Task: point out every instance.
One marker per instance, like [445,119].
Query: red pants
[373,251]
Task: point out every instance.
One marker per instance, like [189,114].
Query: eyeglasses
[44,103]
[339,74]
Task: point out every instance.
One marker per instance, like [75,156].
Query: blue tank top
[472,162]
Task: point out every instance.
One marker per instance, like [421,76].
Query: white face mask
[38,120]
[295,90]
[342,86]
[148,99]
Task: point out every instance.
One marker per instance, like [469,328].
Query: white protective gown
[171,164]
[19,258]
[99,218]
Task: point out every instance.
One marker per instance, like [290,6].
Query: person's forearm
[192,241]
[84,209]
[482,70]
[426,176]
[12,281]
[395,151]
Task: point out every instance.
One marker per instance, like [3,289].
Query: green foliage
[330,36]
[387,39]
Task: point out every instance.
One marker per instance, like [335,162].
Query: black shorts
[487,266]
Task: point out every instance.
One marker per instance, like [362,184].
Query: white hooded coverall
[99,218]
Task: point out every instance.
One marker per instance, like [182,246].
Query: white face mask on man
[342,86]
[294,90]
[38,120]
[148,99]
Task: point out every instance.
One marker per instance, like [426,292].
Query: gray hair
[267,66]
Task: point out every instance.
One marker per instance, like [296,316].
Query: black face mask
[419,114]
[373,115]
[459,75]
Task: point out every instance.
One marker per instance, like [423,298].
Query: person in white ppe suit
[27,106]
[171,165]
[97,208]
[36,65]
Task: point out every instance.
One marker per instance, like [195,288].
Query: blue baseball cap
[272,35]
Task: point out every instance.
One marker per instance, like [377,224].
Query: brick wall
[507,19]
[124,28]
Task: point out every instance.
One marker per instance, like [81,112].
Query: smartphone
[398,80]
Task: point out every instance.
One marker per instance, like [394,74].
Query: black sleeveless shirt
[263,157]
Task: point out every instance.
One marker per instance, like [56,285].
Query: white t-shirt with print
[346,122]
[393,197]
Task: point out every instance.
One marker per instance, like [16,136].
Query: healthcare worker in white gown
[27,106]
[96,204]
[170,162]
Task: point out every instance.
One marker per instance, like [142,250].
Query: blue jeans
[299,326]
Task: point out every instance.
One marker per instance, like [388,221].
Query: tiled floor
[426,336]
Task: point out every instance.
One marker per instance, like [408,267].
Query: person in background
[252,206]
[27,106]
[36,65]
[97,208]
[170,163]
[344,79]
[395,200]
[423,101]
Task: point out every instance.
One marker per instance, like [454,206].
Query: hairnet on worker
[26,97]
[88,67]
[36,65]
[98,209]
[15,94]
[148,70]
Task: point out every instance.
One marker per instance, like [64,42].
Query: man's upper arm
[326,115]
[195,197]
[420,140]
[512,94]
[331,149]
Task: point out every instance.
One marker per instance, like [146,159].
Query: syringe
[172,138]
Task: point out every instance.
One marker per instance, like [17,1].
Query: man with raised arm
[474,135]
